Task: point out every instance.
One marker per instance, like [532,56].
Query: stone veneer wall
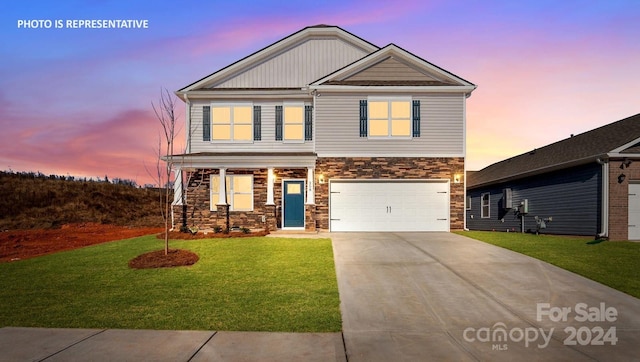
[199,208]
[619,198]
[390,168]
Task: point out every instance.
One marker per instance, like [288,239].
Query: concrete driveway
[441,296]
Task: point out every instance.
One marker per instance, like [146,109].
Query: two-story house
[324,130]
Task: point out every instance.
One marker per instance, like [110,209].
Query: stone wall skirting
[200,215]
[391,168]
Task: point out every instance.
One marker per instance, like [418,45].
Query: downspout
[605,199]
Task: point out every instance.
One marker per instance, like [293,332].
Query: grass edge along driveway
[244,284]
[612,263]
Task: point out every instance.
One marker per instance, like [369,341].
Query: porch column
[222,190]
[270,182]
[311,193]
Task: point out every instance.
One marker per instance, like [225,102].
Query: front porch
[245,191]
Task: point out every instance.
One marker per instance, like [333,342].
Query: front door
[293,204]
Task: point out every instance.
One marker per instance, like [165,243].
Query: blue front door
[293,204]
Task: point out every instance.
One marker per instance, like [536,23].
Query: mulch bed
[24,244]
[158,259]
[176,235]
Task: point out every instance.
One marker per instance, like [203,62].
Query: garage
[389,205]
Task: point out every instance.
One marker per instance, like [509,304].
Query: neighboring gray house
[588,184]
[324,130]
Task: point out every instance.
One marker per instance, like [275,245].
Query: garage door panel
[389,206]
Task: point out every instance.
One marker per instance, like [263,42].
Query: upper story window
[232,122]
[293,122]
[389,117]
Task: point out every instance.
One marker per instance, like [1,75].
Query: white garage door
[389,206]
[634,211]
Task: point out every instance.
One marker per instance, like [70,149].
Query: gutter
[605,198]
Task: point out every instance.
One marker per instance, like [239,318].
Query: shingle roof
[583,148]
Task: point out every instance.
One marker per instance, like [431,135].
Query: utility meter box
[507,199]
[524,206]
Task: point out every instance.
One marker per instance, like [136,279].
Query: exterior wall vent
[507,199]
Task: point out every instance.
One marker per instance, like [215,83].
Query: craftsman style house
[323,130]
[587,184]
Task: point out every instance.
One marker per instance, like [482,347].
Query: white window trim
[482,206]
[230,192]
[235,104]
[284,121]
[389,100]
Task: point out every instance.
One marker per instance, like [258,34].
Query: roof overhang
[234,93]
[252,160]
[387,89]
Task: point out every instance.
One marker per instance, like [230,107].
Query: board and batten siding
[572,197]
[297,67]
[441,128]
[267,144]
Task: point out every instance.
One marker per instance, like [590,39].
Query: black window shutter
[206,123]
[363,118]
[257,123]
[308,123]
[416,118]
[278,123]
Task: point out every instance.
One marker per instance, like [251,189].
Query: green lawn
[613,263]
[244,284]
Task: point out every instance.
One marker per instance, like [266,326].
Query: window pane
[221,115]
[242,201]
[400,110]
[221,132]
[242,115]
[379,127]
[215,183]
[242,184]
[378,110]
[293,189]
[214,201]
[293,114]
[293,132]
[400,127]
[242,132]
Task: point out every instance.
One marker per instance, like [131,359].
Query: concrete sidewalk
[52,344]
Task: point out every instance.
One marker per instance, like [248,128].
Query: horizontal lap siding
[572,197]
[267,144]
[441,130]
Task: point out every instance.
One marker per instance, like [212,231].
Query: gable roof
[383,67]
[356,46]
[618,139]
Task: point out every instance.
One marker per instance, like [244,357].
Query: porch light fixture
[456,178]
[321,179]
[621,178]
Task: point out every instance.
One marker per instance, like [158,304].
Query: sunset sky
[78,101]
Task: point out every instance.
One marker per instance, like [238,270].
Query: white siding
[391,70]
[298,66]
[267,144]
[337,126]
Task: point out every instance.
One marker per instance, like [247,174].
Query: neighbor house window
[239,192]
[468,202]
[232,122]
[389,117]
[485,205]
[293,120]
